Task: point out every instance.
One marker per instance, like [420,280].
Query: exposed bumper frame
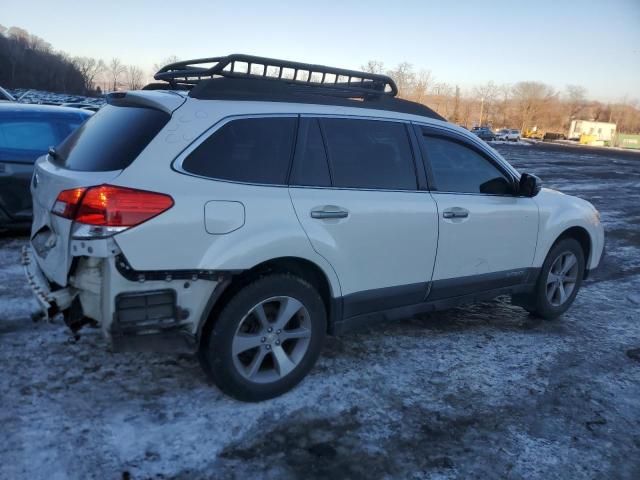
[50,301]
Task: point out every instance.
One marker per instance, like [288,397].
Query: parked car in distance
[242,219]
[85,106]
[484,133]
[6,96]
[509,135]
[26,132]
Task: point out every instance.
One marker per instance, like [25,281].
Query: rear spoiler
[166,101]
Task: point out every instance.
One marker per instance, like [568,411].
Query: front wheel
[266,339]
[559,281]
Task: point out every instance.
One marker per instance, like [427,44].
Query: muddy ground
[478,392]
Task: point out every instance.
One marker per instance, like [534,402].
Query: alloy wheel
[562,278]
[271,339]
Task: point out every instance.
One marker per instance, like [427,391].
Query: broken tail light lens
[67,202]
[109,208]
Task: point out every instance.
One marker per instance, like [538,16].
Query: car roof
[31,108]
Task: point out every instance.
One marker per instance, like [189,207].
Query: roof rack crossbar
[192,72]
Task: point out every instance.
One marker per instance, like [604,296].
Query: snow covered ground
[477,392]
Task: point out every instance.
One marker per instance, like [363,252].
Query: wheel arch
[582,236]
[301,267]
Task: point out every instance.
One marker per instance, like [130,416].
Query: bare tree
[404,77]
[373,66]
[165,61]
[455,117]
[487,95]
[134,77]
[115,71]
[19,34]
[530,98]
[422,83]
[89,68]
[577,99]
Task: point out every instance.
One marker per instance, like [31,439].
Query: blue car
[26,133]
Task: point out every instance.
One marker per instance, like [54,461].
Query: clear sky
[593,43]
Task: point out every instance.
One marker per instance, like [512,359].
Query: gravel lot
[483,391]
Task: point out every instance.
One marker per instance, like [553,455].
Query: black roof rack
[192,72]
[246,77]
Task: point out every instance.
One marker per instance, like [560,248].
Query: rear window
[31,135]
[111,139]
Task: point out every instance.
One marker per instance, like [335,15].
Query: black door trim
[378,299]
[363,308]
[456,287]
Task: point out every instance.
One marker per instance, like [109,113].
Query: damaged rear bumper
[51,302]
[136,311]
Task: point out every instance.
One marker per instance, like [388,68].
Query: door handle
[323,214]
[455,212]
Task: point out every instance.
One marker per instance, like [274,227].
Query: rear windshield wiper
[53,153]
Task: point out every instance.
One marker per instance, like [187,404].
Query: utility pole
[481,108]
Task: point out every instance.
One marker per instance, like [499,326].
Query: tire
[546,301]
[254,352]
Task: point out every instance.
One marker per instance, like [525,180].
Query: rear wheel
[559,281]
[266,339]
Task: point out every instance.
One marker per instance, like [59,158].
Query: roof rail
[344,82]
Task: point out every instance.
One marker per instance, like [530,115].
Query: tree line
[525,105]
[28,61]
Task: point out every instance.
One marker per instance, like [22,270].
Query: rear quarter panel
[178,239]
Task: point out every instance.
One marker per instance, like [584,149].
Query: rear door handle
[329,212]
[455,212]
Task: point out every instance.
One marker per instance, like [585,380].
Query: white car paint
[389,238]
[499,234]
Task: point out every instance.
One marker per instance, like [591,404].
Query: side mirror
[530,185]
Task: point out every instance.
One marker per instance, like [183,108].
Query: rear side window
[369,154]
[310,167]
[253,150]
[458,168]
[111,139]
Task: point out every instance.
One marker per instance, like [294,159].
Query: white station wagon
[243,208]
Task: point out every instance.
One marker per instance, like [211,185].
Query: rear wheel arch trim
[298,266]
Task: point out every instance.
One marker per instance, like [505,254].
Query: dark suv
[26,133]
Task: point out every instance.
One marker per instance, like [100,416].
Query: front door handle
[455,212]
[329,212]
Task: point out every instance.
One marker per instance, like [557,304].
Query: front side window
[369,154]
[253,150]
[458,168]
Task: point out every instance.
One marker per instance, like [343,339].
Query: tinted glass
[255,150]
[111,139]
[310,165]
[457,168]
[369,154]
[29,136]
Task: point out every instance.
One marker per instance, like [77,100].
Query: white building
[601,130]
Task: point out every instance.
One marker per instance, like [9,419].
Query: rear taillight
[109,208]
[67,202]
